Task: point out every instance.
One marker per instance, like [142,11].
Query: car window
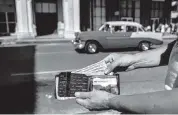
[140,29]
[143,29]
[131,29]
[119,28]
[106,28]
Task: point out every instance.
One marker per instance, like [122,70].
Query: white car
[117,34]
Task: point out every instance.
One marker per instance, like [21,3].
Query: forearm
[156,57]
[150,58]
[157,102]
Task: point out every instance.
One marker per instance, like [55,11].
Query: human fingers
[83,95]
[111,67]
[83,102]
[132,67]
[109,59]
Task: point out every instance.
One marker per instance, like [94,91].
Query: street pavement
[50,59]
[62,56]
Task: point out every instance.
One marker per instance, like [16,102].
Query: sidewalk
[53,38]
[169,37]
[46,39]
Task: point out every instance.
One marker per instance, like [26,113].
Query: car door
[118,37]
[130,41]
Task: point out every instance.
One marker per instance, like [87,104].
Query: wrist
[147,59]
[112,102]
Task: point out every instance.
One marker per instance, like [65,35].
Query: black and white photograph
[88,57]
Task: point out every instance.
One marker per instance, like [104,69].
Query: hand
[95,100]
[122,60]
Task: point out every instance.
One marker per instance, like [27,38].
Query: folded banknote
[94,69]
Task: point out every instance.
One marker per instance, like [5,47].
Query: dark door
[46,23]
[46,16]
[85,14]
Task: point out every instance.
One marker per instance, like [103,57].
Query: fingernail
[106,71]
[77,94]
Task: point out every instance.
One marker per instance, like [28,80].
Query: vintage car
[116,34]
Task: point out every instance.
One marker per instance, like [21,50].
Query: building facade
[174,11]
[30,18]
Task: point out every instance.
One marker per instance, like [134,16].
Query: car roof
[123,23]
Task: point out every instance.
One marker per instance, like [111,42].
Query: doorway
[46,16]
[85,15]
[154,23]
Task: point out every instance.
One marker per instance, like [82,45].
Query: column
[76,10]
[60,24]
[31,25]
[68,19]
[24,19]
[60,10]
[71,14]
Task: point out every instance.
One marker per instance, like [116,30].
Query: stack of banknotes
[94,69]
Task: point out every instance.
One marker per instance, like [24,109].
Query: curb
[44,41]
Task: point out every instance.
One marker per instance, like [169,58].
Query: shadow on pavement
[18,93]
[114,50]
[119,50]
[123,49]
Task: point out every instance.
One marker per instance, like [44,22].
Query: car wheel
[143,46]
[91,47]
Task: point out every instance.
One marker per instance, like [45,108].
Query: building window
[42,7]
[7,22]
[157,9]
[130,8]
[7,16]
[137,8]
[124,8]
[99,13]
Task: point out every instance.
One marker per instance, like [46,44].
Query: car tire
[144,46]
[92,47]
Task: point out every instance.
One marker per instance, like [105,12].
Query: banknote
[94,69]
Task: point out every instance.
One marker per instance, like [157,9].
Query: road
[63,57]
[52,58]
[55,57]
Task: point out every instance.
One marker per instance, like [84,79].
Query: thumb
[111,67]
[132,67]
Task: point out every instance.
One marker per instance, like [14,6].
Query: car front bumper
[78,45]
